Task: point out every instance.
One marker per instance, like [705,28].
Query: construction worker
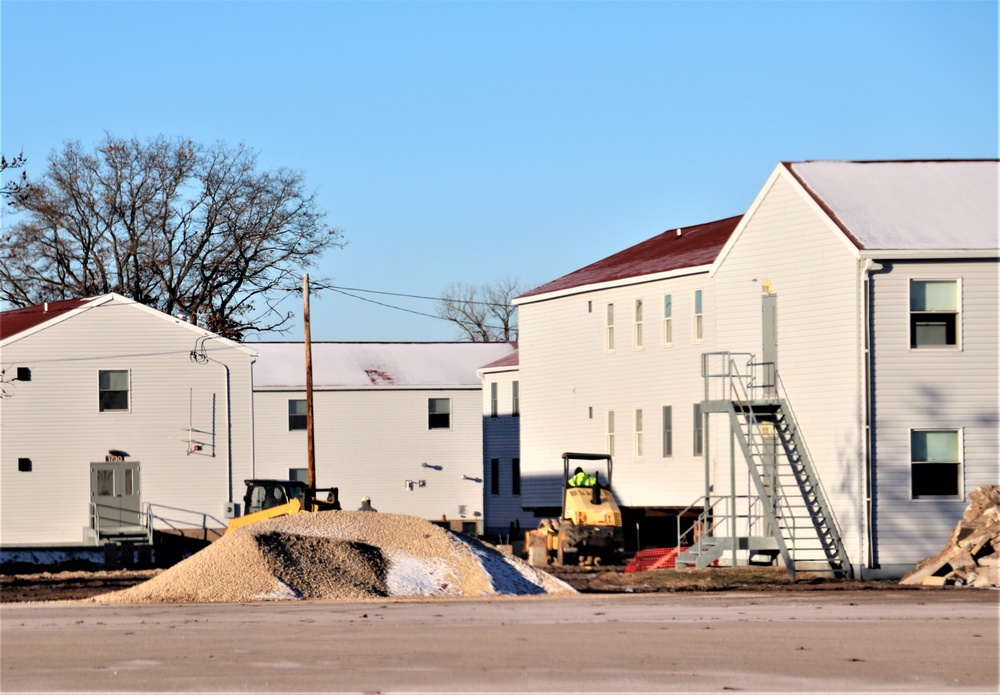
[581,479]
[366,505]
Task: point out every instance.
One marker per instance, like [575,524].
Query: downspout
[868,269]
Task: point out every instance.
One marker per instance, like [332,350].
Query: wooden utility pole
[310,439]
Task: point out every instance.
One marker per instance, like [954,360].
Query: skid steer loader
[267,499]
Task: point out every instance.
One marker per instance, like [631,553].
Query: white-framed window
[936,463]
[699,434]
[638,433]
[699,317]
[113,390]
[935,313]
[515,394]
[637,331]
[438,413]
[494,400]
[609,329]
[611,433]
[668,326]
[668,431]
[296,414]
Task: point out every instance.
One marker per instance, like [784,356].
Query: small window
[24,374]
[699,435]
[515,476]
[611,433]
[638,433]
[300,474]
[113,386]
[296,414]
[668,326]
[105,482]
[936,463]
[516,398]
[439,413]
[934,313]
[638,325]
[668,431]
[24,465]
[699,317]
[494,476]
[494,402]
[609,339]
[129,481]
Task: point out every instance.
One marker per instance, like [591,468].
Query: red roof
[18,320]
[510,360]
[697,245]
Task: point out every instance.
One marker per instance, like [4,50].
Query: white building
[401,423]
[114,414]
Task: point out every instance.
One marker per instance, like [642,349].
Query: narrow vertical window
[296,414]
[494,476]
[515,476]
[113,389]
[668,431]
[638,433]
[699,435]
[638,325]
[668,327]
[699,317]
[438,413]
[611,433]
[609,339]
[515,390]
[494,402]
[934,313]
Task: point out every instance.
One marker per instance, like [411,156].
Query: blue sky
[463,141]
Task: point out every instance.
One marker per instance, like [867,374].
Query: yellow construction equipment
[267,499]
[589,530]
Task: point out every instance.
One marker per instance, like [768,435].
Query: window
[515,476]
[609,340]
[638,325]
[516,398]
[113,389]
[668,327]
[439,413]
[638,433]
[611,433]
[494,405]
[936,463]
[699,438]
[24,465]
[494,476]
[296,415]
[301,474]
[668,431]
[934,313]
[699,318]
[105,482]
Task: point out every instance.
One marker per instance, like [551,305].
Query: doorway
[115,493]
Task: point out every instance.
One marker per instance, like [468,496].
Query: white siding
[54,421]
[501,436]
[931,388]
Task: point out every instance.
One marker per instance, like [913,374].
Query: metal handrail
[718,518]
[178,524]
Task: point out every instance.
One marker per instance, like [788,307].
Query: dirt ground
[67,586]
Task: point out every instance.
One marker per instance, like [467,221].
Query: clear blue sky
[462,141]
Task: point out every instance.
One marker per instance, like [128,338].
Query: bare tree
[169,223]
[483,313]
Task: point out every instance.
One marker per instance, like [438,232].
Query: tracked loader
[267,499]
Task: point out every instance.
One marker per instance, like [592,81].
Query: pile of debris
[340,556]
[972,555]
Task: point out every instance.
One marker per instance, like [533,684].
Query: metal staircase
[785,512]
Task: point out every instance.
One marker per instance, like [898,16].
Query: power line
[344,290]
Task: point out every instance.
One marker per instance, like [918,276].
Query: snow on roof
[19,320]
[695,246]
[374,364]
[913,205]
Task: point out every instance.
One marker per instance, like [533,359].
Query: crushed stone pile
[972,555]
[340,556]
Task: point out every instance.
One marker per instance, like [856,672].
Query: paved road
[848,641]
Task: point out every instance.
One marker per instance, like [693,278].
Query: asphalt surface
[847,641]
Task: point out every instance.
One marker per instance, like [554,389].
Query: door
[769,340]
[114,489]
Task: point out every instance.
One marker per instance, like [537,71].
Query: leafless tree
[173,224]
[483,313]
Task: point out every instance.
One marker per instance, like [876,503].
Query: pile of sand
[340,555]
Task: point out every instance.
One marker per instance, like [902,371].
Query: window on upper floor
[668,431]
[296,414]
[934,313]
[936,463]
[668,327]
[494,401]
[611,433]
[113,390]
[637,331]
[516,399]
[438,413]
[699,317]
[609,329]
[638,433]
[515,476]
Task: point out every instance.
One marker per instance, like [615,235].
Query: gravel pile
[340,556]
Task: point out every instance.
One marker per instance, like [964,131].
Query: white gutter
[927,254]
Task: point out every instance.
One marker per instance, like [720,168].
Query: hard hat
[366,500]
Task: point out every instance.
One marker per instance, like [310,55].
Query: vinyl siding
[931,388]
[502,442]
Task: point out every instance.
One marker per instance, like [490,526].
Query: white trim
[927,254]
[623,282]
[960,496]
[959,324]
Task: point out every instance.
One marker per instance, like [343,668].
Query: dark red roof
[510,360]
[17,320]
[697,245]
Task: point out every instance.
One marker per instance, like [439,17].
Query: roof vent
[678,232]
